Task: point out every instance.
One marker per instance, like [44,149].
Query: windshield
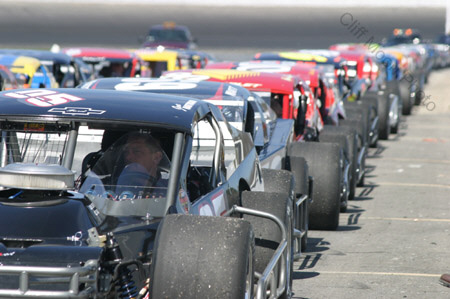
[157,35]
[130,177]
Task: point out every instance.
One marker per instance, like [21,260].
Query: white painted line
[398,219]
[413,185]
[431,161]
[381,273]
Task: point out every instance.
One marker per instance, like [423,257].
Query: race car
[247,112]
[402,36]
[158,60]
[169,35]
[67,71]
[7,79]
[108,62]
[324,91]
[290,96]
[29,71]
[108,194]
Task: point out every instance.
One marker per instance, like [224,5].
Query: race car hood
[166,44]
[48,256]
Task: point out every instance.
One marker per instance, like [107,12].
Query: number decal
[155,85]
[43,97]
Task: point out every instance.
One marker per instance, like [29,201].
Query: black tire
[358,125]
[341,140]
[406,98]
[394,129]
[384,124]
[392,87]
[419,80]
[299,168]
[352,139]
[267,234]
[323,164]
[371,98]
[202,257]
[355,124]
[278,180]
[369,110]
[359,112]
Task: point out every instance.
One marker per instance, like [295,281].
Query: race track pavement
[394,240]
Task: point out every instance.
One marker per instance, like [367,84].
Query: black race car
[247,112]
[105,194]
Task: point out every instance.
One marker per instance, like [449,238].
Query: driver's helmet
[135,166]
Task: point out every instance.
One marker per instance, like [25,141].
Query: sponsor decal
[7,253]
[303,56]
[77,111]
[187,106]
[43,97]
[224,75]
[219,204]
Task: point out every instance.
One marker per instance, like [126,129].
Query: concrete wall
[260,3]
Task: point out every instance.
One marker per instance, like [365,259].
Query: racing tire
[299,168]
[355,124]
[323,164]
[278,180]
[359,112]
[394,129]
[384,125]
[371,98]
[406,98]
[352,140]
[267,233]
[393,88]
[202,257]
[341,140]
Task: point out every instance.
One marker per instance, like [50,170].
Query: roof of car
[98,52]
[20,64]
[169,26]
[153,54]
[255,81]
[123,106]
[292,56]
[40,54]
[304,71]
[208,89]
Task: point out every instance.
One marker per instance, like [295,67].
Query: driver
[142,154]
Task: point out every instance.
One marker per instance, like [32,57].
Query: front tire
[268,235]
[323,163]
[202,257]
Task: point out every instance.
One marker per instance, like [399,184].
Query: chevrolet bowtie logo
[76,111]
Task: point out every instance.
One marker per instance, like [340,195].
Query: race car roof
[173,112]
[40,54]
[98,52]
[306,72]
[254,81]
[207,89]
[293,56]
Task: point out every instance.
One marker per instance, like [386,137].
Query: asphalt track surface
[393,242]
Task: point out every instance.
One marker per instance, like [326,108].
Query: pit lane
[393,241]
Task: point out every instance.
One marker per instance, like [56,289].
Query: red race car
[107,62]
